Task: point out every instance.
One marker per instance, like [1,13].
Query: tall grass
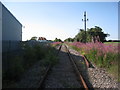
[54,44]
[103,55]
[33,54]
[17,65]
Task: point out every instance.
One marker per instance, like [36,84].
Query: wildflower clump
[101,54]
[54,44]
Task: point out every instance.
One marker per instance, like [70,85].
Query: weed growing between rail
[16,65]
[103,55]
[51,57]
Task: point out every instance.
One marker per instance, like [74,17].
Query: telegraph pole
[85,20]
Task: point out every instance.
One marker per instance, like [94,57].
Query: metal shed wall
[0,27]
[11,27]
[11,31]
[0,46]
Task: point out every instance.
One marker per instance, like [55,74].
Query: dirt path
[62,74]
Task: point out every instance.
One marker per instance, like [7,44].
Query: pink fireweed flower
[56,43]
[100,47]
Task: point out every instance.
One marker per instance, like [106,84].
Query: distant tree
[80,37]
[92,34]
[57,40]
[97,34]
[34,38]
[69,40]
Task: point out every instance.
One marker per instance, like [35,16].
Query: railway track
[84,85]
[47,71]
[46,81]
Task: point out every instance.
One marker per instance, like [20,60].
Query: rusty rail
[44,77]
[87,62]
[75,67]
[77,71]
[47,71]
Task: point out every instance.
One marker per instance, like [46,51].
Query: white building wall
[11,27]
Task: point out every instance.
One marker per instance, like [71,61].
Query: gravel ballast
[62,74]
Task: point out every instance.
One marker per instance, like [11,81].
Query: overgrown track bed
[34,75]
[47,71]
[65,74]
[82,81]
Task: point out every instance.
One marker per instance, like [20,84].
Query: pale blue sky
[64,19]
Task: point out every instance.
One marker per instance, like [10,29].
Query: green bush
[15,68]
[17,65]
[92,55]
[50,57]
[33,54]
[75,48]
[29,56]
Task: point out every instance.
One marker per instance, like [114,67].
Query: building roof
[41,38]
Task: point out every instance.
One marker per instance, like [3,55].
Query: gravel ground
[62,74]
[98,77]
[31,78]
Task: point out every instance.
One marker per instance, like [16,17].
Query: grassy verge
[55,44]
[111,42]
[104,56]
[16,65]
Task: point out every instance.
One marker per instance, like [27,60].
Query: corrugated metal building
[11,29]
[0,28]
